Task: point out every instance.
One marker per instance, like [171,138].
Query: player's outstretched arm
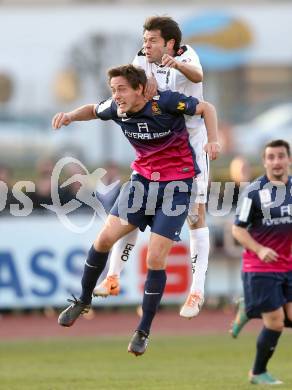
[266,254]
[83,113]
[208,112]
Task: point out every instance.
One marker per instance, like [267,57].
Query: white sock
[199,248]
[121,252]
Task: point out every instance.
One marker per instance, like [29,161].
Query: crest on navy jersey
[155,108]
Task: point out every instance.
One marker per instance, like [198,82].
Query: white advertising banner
[41,263]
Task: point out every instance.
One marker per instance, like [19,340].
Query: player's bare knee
[192,220]
[197,216]
[103,242]
[155,262]
[275,322]
[278,327]
[196,221]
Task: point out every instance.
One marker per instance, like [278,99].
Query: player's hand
[267,255]
[169,61]
[151,88]
[61,119]
[212,149]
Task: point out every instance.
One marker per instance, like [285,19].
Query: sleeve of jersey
[136,61]
[243,218]
[139,62]
[105,110]
[177,103]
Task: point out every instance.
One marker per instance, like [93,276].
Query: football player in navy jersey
[172,66]
[264,228]
[162,180]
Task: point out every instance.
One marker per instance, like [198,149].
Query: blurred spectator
[108,198]
[42,194]
[225,137]
[240,172]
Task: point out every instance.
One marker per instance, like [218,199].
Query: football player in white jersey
[169,65]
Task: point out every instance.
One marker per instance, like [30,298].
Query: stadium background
[54,56]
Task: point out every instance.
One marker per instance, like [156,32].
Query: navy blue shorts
[161,205]
[266,291]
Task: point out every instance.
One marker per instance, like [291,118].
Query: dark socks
[153,291]
[266,344]
[93,267]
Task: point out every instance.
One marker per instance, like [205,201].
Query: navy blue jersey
[158,134]
[266,211]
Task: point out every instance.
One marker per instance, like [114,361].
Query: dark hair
[276,143]
[169,29]
[134,75]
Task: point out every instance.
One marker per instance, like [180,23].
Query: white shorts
[198,141]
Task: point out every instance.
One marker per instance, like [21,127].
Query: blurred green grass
[183,363]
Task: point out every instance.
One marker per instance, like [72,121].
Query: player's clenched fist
[61,119]
[169,61]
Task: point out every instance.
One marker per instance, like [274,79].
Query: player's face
[126,98]
[154,46]
[277,162]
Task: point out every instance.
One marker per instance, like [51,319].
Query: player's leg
[122,248]
[288,305]
[94,265]
[199,250]
[244,304]
[165,228]
[240,319]
[265,347]
[118,257]
[199,234]
[265,297]
[158,250]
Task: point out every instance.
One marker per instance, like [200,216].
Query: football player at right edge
[170,66]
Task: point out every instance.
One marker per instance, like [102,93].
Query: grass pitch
[180,363]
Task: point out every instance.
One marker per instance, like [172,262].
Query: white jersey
[170,78]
